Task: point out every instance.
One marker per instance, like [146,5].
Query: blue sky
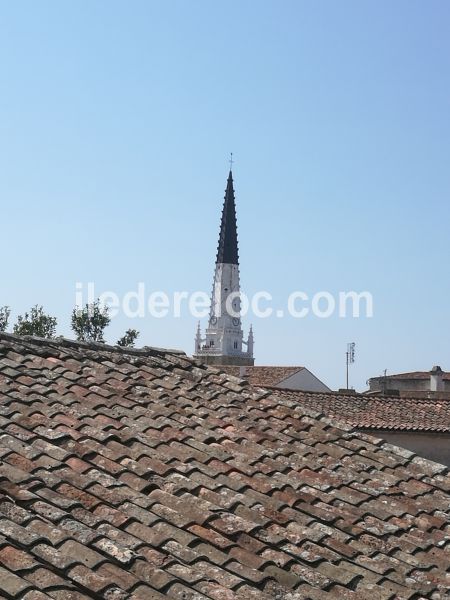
[116,122]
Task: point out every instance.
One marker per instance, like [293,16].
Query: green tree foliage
[129,339]
[36,323]
[4,317]
[90,322]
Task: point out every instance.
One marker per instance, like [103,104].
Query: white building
[435,382]
[224,342]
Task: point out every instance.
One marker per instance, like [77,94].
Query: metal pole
[347,369]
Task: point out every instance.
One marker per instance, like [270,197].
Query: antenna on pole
[350,355]
[384,382]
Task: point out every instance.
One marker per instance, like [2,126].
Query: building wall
[403,385]
[222,359]
[434,446]
[409,384]
[303,380]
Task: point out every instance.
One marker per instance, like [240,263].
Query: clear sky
[116,122]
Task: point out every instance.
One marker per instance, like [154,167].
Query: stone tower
[224,341]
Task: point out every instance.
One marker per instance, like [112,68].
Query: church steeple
[227,250]
[224,339]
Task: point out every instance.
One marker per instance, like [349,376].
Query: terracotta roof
[410,394]
[379,412]
[412,375]
[144,475]
[265,376]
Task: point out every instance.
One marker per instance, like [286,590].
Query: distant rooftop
[379,412]
[265,376]
[411,375]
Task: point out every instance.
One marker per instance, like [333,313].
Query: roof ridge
[276,367]
[360,395]
[63,342]
[404,373]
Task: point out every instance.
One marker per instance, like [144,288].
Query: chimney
[436,379]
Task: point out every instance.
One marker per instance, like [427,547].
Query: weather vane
[231,161]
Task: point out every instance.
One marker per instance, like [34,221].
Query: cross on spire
[231,161]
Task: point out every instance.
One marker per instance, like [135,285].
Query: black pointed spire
[227,251]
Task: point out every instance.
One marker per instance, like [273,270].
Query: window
[235,345]
[211,343]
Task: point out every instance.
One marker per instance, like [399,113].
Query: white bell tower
[224,341]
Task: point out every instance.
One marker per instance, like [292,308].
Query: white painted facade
[303,380]
[436,379]
[224,335]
